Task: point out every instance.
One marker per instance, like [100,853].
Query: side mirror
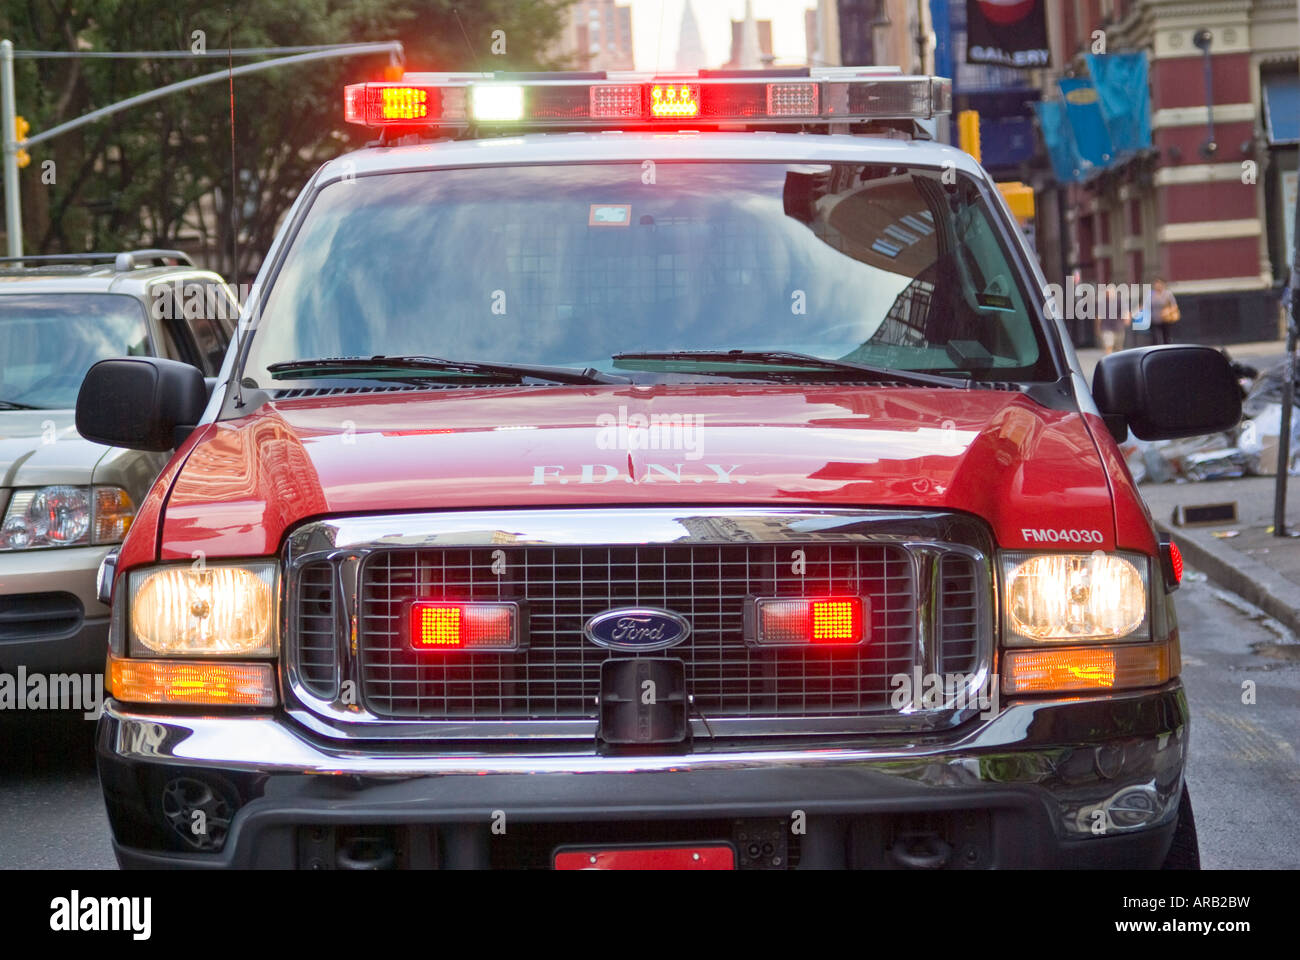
[1166,392]
[142,403]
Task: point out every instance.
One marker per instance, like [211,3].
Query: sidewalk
[1244,557]
[1264,353]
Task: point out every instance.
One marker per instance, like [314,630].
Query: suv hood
[1022,467]
[40,447]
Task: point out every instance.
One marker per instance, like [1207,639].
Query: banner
[1083,107]
[1121,82]
[1008,33]
[1059,141]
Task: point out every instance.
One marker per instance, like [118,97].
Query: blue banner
[1083,107]
[1121,83]
[1059,140]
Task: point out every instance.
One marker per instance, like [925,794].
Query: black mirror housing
[140,402]
[1169,391]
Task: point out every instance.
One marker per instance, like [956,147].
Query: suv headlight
[1073,597]
[209,610]
[1079,622]
[64,515]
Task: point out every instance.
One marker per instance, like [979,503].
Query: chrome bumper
[1086,771]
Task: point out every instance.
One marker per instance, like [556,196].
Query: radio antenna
[473,57]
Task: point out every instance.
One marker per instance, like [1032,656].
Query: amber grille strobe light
[192,682]
[437,625]
[824,620]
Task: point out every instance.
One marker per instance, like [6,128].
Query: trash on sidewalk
[1216,464]
[1258,438]
[1224,534]
[1265,391]
[1210,457]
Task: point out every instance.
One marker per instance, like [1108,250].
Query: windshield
[569,265]
[48,342]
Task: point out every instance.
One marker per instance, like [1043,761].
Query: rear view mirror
[142,403]
[1169,391]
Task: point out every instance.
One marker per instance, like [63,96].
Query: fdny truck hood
[1035,474]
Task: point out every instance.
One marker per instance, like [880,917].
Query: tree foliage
[160,174]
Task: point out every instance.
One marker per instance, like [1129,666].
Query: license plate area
[709,856]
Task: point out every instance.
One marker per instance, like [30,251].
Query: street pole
[9,116]
[13,216]
[1284,427]
[1292,307]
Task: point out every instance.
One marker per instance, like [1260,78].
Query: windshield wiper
[789,361]
[428,368]
[14,405]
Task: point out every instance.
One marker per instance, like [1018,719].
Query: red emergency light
[801,621]
[800,97]
[448,625]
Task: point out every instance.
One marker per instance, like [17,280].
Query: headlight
[214,610]
[66,516]
[1064,598]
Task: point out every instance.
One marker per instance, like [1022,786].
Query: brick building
[598,36]
[1209,205]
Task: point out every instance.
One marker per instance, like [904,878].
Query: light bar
[801,621]
[822,95]
[444,625]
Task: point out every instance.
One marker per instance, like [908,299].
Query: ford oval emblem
[637,628]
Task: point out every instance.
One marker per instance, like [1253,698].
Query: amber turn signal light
[198,682]
[1075,669]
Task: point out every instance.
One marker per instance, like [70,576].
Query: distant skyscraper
[690,49]
[598,36]
[749,51]
[737,59]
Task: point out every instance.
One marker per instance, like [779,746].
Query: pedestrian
[1164,312]
[1112,327]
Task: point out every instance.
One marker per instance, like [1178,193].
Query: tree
[160,174]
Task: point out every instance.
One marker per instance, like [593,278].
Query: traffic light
[968,132]
[21,126]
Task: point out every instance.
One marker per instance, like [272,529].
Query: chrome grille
[927,576]
[317,647]
[559,675]
[959,620]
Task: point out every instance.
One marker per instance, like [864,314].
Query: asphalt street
[1244,773]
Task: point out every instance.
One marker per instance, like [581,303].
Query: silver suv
[65,501]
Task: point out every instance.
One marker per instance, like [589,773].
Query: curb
[1243,575]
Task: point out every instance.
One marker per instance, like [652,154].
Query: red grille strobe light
[443,625]
[785,621]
